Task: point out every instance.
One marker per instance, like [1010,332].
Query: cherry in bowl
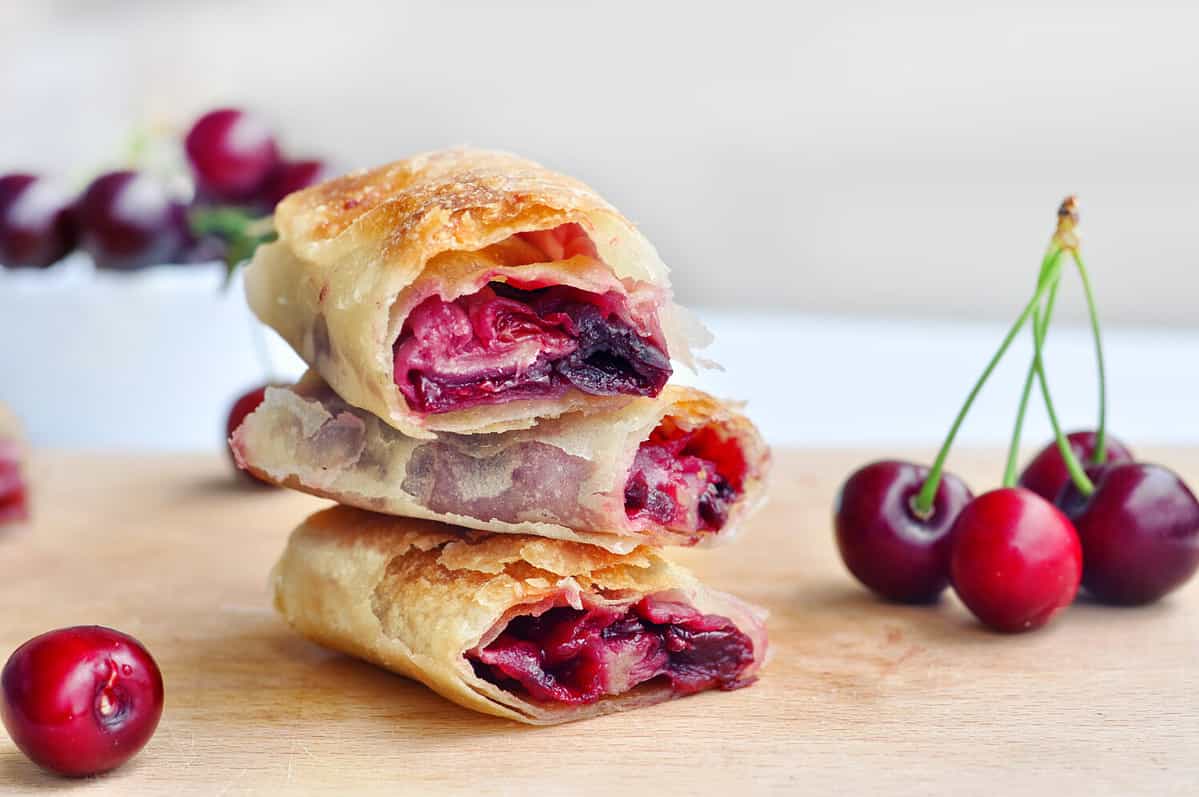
[1046,475]
[1139,531]
[128,220]
[1016,560]
[37,225]
[80,701]
[231,153]
[884,542]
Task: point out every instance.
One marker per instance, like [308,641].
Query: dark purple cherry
[37,226]
[128,220]
[1139,532]
[231,153]
[287,177]
[1046,475]
[884,543]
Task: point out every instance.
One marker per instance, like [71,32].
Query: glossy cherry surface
[127,220]
[231,152]
[884,543]
[1016,559]
[81,700]
[1139,532]
[286,177]
[37,226]
[1046,474]
[245,404]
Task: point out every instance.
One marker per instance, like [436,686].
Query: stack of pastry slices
[490,345]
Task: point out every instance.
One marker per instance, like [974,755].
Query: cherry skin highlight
[1139,532]
[231,154]
[883,542]
[245,404]
[82,700]
[37,225]
[1016,560]
[1046,474]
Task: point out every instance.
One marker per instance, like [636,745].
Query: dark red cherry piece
[884,543]
[1016,559]
[231,152]
[1046,474]
[37,226]
[82,700]
[128,220]
[1139,532]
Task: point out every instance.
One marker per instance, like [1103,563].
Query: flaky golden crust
[413,596]
[564,479]
[339,282]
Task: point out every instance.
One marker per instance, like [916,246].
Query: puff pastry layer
[370,271]
[432,602]
[680,469]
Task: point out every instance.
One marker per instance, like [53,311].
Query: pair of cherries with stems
[1082,511]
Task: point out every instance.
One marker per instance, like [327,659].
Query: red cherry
[37,226]
[885,545]
[231,153]
[1139,532]
[1046,475]
[287,177]
[245,404]
[1016,559]
[82,700]
[14,500]
[129,221]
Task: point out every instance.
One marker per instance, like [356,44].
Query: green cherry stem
[922,503]
[1013,454]
[1100,454]
[1077,474]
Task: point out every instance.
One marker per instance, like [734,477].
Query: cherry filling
[505,343]
[578,656]
[685,480]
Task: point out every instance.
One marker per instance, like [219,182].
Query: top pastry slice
[468,291]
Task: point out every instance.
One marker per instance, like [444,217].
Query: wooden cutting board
[860,697]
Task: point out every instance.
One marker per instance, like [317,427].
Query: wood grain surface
[860,698]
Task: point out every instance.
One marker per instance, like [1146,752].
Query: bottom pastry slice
[528,628]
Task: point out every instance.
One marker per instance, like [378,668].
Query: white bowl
[150,359]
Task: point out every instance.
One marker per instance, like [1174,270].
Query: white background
[854,194]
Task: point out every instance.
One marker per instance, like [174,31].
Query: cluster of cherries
[1083,511]
[129,219]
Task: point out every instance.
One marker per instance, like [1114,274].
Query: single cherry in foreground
[37,227]
[1139,532]
[884,543]
[82,700]
[127,220]
[231,153]
[1016,559]
[245,404]
[1046,474]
